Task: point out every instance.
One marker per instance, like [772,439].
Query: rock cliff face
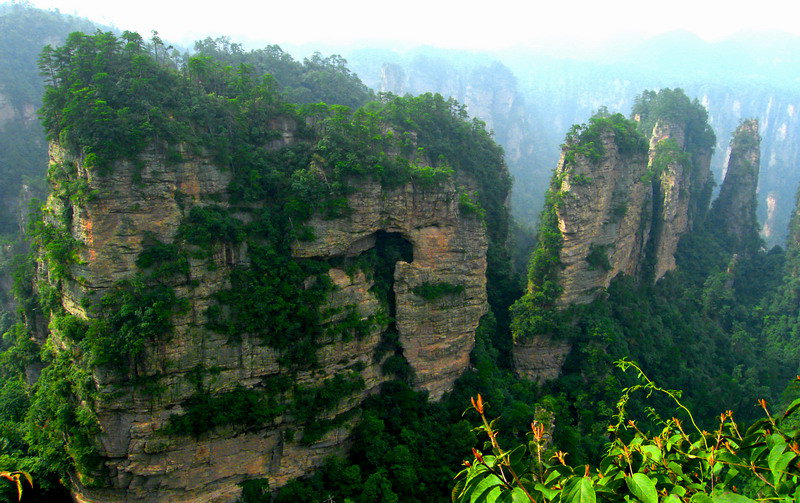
[617,207]
[621,205]
[540,357]
[603,219]
[735,209]
[146,202]
[684,176]
[437,335]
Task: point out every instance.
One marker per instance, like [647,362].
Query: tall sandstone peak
[734,210]
[617,206]
[600,217]
[620,204]
[679,193]
[147,201]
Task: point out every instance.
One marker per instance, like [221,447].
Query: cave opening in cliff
[390,248]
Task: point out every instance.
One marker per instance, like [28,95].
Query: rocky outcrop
[437,335]
[683,174]
[22,115]
[734,211]
[602,217]
[131,204]
[619,208]
[541,357]
[621,205]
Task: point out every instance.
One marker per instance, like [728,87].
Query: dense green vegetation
[111,99]
[433,291]
[587,139]
[730,463]
[674,106]
[702,328]
[317,79]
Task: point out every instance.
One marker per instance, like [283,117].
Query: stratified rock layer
[541,357]
[679,199]
[437,335]
[145,464]
[603,215]
[618,213]
[618,206]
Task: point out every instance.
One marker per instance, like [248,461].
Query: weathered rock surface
[145,464]
[603,215]
[614,207]
[437,335]
[682,178]
[622,213]
[735,209]
[540,358]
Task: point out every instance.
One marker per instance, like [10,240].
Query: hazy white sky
[490,24]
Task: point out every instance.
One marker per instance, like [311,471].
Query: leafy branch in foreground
[16,478]
[728,465]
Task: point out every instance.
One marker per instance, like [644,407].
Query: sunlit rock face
[613,209]
[621,213]
[603,218]
[437,335]
[148,201]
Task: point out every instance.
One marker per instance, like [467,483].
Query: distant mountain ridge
[749,75]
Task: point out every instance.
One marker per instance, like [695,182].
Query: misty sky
[485,25]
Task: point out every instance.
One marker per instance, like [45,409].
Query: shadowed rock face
[735,209]
[435,335]
[540,358]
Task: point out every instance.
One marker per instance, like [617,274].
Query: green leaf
[579,490]
[792,407]
[778,460]
[517,495]
[458,488]
[701,498]
[480,491]
[732,498]
[652,452]
[678,491]
[642,487]
[490,495]
[548,493]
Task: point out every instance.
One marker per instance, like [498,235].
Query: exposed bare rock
[131,204]
[681,178]
[603,219]
[437,335]
[735,209]
[540,358]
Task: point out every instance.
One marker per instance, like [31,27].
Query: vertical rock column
[734,211]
